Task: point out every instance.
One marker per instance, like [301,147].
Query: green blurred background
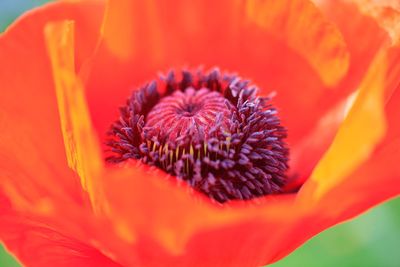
[371,240]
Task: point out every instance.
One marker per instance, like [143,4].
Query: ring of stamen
[211,130]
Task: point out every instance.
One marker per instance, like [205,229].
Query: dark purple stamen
[210,130]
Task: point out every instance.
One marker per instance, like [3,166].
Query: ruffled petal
[306,31]
[365,125]
[33,165]
[386,13]
[252,38]
[366,38]
[298,23]
[363,34]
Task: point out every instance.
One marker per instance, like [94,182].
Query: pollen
[211,130]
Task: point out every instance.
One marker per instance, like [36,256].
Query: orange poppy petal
[308,151]
[38,245]
[365,125]
[305,30]
[362,34]
[380,176]
[386,13]
[178,227]
[36,178]
[297,22]
[275,226]
[32,149]
[158,35]
[172,216]
[376,180]
[362,29]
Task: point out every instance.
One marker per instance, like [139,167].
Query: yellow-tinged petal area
[385,12]
[119,16]
[365,38]
[80,141]
[133,27]
[120,44]
[365,33]
[386,73]
[358,135]
[307,153]
[318,40]
[31,144]
[376,179]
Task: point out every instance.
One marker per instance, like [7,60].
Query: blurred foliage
[10,9]
[6,260]
[371,240]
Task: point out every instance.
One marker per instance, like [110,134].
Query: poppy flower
[68,66]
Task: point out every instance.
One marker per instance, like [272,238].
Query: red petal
[36,178]
[31,146]
[37,245]
[365,38]
[171,218]
[262,40]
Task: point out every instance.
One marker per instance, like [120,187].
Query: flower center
[187,113]
[210,130]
